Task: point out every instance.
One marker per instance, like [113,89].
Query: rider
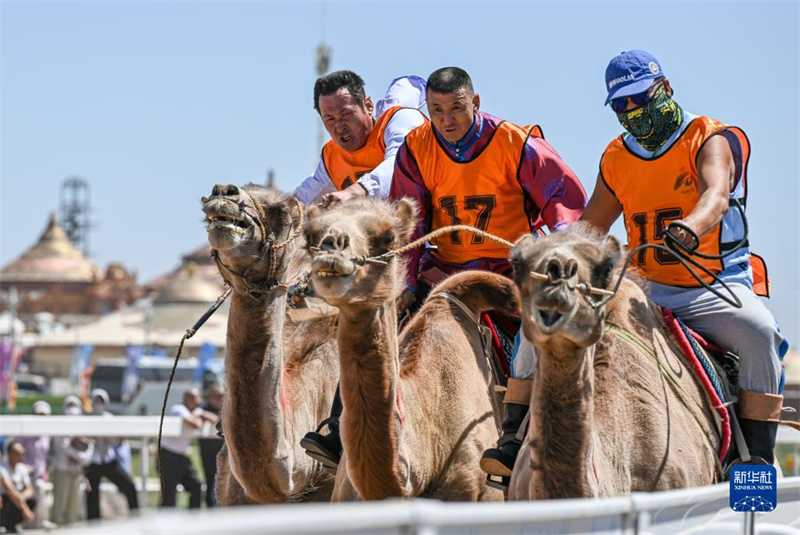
[671,166]
[471,168]
[357,161]
[359,158]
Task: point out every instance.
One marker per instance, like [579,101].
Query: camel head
[551,310]
[242,225]
[359,228]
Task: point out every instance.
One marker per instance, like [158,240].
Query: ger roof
[52,258]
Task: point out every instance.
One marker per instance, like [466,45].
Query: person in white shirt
[359,159]
[105,463]
[18,499]
[70,456]
[176,466]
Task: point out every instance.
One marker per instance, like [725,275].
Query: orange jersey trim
[345,168]
[655,192]
[484,193]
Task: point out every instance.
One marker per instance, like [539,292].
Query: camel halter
[584,288]
[267,247]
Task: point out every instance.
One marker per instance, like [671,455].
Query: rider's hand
[332,199]
[685,238]
[404,301]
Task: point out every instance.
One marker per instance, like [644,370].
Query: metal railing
[689,511]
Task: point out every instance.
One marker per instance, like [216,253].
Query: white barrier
[141,427]
[690,511]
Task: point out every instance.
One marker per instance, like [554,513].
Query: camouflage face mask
[654,122]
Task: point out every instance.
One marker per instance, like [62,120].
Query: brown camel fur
[604,420]
[280,376]
[417,408]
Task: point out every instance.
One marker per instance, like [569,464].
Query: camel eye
[383,241]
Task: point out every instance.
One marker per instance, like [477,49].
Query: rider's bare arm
[603,208]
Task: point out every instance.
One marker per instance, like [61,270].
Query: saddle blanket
[699,354]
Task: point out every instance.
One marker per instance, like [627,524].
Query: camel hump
[482,291]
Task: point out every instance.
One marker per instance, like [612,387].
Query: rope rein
[254,290]
[381,259]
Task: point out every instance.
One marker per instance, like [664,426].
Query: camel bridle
[268,246]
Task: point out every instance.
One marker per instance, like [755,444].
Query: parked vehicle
[153,375]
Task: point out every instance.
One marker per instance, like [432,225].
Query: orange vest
[655,192]
[484,193]
[345,168]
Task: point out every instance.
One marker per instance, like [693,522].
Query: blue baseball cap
[631,73]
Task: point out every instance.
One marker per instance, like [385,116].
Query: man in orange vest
[359,158]
[357,161]
[671,166]
[470,168]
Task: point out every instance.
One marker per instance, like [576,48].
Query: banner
[206,354]
[130,379]
[6,356]
[12,380]
[80,363]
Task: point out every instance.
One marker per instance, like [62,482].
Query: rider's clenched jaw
[344,108]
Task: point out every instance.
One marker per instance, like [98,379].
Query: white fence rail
[144,428]
[689,511]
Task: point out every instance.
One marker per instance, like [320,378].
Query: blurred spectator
[105,463]
[209,447]
[37,454]
[18,497]
[176,466]
[123,451]
[70,457]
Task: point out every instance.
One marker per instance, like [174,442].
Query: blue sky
[155,102]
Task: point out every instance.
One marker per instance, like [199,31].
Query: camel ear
[407,212]
[613,254]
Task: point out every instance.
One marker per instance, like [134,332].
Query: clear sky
[155,102]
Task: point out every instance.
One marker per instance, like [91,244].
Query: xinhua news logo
[753,488]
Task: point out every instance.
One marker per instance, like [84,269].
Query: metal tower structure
[75,211]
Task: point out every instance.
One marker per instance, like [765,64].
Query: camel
[280,376]
[604,420]
[418,412]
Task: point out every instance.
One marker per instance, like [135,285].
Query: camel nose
[561,268]
[335,241]
[224,190]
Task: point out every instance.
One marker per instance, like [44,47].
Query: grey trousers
[750,332]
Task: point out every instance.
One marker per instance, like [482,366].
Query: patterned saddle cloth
[717,370]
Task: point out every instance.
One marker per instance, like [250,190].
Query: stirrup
[327,421]
[501,483]
[755,460]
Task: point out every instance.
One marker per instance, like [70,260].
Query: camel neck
[371,427]
[562,412]
[253,411]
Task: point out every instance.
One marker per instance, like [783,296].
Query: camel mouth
[327,266]
[231,222]
[549,320]
[549,317]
